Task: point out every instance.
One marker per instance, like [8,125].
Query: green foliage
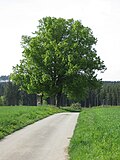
[14,118]
[72,108]
[58,58]
[110,93]
[2,86]
[76,106]
[1,100]
[11,94]
[106,95]
[96,135]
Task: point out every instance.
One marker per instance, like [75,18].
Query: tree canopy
[59,58]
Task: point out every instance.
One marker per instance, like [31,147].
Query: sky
[20,17]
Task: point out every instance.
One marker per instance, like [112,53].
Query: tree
[110,93]
[58,58]
[11,94]
[28,99]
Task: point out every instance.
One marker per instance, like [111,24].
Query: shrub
[76,106]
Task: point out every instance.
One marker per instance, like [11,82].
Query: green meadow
[97,135]
[17,117]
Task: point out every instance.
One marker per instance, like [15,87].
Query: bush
[76,106]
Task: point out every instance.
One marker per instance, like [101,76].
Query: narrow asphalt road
[46,139]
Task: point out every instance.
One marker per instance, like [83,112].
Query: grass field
[14,118]
[97,135]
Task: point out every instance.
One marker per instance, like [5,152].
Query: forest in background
[107,94]
[10,95]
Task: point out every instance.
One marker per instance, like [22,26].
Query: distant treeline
[4,78]
[108,94]
[10,94]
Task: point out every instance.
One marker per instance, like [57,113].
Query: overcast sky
[20,17]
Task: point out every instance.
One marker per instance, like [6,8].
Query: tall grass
[97,135]
[14,118]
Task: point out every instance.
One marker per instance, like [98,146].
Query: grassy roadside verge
[15,118]
[97,135]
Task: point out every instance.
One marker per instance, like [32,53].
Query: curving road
[46,139]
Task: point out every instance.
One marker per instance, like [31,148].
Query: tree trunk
[59,95]
[41,99]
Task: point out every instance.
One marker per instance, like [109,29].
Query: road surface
[46,139]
